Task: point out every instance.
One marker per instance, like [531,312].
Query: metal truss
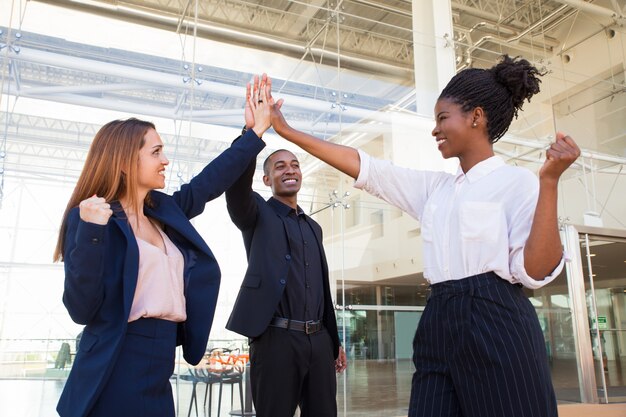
[286,26]
[56,149]
[361,30]
[334,27]
[514,13]
[367,35]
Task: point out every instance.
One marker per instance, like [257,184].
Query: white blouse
[471,222]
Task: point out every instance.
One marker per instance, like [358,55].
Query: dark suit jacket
[267,246]
[101,267]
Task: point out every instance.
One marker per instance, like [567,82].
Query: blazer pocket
[87,341]
[251,281]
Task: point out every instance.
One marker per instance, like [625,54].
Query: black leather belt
[308,327]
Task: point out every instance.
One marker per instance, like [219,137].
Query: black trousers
[290,368]
[479,352]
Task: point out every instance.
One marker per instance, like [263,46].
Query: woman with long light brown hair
[137,274]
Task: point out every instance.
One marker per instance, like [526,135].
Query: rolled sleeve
[364,170]
[527,281]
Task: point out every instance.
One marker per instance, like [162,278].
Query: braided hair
[499,90]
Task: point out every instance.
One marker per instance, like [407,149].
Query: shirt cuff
[534,284]
[363,171]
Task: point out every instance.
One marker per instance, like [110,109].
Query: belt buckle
[307,326]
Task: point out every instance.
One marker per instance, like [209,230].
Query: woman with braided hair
[488,231]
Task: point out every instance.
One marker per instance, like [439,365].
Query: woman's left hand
[248,112]
[258,106]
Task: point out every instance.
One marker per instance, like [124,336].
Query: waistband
[308,327]
[467,284]
[152,327]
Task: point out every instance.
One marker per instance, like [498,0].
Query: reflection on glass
[605,285]
[553,310]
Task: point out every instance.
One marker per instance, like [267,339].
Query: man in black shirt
[285,305]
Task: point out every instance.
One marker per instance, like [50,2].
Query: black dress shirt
[303,298]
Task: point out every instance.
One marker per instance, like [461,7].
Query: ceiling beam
[238,35]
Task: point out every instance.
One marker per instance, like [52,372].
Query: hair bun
[519,76]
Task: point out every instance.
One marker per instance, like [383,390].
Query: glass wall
[605,286]
[554,309]
[359,73]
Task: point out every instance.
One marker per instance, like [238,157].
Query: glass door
[553,305]
[379,346]
[604,267]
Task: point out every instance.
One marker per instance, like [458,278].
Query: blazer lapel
[180,231]
[281,217]
[181,224]
[131,263]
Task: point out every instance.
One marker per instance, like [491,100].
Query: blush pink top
[159,293]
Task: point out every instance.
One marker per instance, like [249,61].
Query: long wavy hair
[110,170]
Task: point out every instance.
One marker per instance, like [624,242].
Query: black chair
[231,377]
[191,377]
[208,378]
[231,373]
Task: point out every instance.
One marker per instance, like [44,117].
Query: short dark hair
[500,91]
[266,163]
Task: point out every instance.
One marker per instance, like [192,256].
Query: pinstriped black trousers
[479,352]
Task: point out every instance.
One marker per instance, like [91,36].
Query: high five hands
[259,102]
[561,154]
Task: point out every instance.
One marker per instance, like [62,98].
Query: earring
[474,124]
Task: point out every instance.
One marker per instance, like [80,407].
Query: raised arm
[226,168]
[543,250]
[344,158]
[240,200]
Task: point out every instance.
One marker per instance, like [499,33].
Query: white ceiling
[156,71]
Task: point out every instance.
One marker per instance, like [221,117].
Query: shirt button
[282,281]
[95,240]
[306,264]
[288,257]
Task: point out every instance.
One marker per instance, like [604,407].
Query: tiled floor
[376,388]
[372,389]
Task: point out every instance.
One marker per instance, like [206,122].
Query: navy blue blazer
[266,240]
[101,268]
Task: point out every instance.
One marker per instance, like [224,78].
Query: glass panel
[379,348]
[553,309]
[383,292]
[605,285]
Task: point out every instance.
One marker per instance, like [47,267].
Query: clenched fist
[561,154]
[95,210]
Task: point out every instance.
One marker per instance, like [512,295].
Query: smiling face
[452,128]
[283,175]
[152,163]
[462,134]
